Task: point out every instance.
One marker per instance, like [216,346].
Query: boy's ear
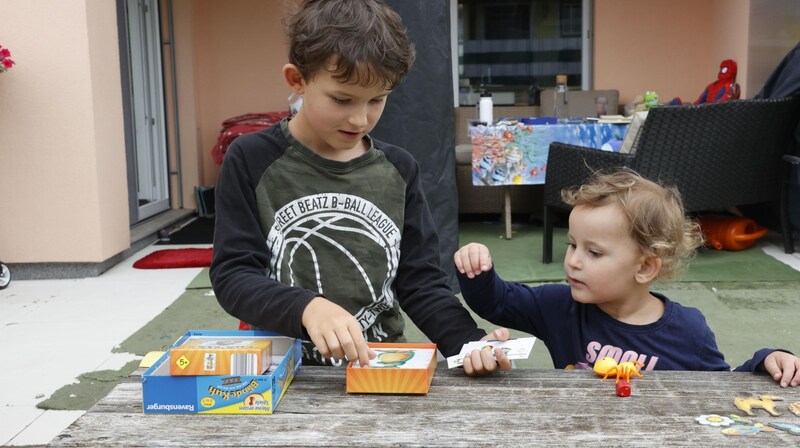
[293,77]
[648,269]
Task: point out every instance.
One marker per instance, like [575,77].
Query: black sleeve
[239,264]
[422,287]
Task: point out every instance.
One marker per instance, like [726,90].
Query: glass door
[151,175]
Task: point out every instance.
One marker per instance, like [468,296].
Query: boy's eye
[338,100]
[570,245]
[377,100]
[596,253]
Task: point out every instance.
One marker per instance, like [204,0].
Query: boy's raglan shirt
[292,225]
[579,334]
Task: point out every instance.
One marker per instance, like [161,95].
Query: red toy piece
[724,88]
[623,389]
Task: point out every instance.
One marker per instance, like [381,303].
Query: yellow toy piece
[607,366]
[604,365]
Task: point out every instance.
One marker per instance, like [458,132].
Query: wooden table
[523,407]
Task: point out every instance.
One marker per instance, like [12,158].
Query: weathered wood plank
[523,407]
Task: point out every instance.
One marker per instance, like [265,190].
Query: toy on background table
[724,88]
[642,103]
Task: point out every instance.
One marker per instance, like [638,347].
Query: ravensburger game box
[222,394]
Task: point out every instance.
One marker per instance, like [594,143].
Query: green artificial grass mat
[520,258]
[195,309]
[201,281]
[88,390]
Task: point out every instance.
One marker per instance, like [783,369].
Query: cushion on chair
[464,154]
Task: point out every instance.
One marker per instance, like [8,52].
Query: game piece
[791,428]
[741,420]
[741,430]
[623,389]
[714,420]
[765,402]
[795,408]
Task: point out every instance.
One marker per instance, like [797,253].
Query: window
[518,46]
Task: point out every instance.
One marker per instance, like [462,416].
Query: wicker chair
[719,155]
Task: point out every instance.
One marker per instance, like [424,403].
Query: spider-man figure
[724,88]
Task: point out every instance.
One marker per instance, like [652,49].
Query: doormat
[175,258]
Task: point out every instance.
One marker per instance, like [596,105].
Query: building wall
[62,154]
[238,51]
[673,47]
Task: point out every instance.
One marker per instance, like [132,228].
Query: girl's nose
[572,259]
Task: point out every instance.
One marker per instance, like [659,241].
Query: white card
[519,348]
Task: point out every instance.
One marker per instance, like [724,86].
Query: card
[396,358]
[519,348]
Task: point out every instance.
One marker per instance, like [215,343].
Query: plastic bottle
[485,109]
[560,99]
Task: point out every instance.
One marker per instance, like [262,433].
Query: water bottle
[560,99]
[485,109]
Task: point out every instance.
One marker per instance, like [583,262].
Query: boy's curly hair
[364,40]
[657,220]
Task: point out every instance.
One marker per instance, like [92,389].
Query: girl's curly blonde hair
[655,213]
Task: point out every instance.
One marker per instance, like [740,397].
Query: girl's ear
[648,269]
[293,78]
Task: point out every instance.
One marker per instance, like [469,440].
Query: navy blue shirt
[578,334]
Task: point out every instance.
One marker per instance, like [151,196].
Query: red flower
[5,59]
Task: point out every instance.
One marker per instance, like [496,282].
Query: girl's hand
[473,259]
[784,368]
[484,362]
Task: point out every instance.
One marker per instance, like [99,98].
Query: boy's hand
[335,332]
[784,367]
[473,259]
[481,362]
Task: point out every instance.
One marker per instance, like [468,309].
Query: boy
[323,233]
[625,232]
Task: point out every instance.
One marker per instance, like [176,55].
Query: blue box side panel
[166,394]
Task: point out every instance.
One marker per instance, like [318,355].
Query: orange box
[394,371]
[203,355]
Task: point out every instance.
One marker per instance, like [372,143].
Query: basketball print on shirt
[342,246]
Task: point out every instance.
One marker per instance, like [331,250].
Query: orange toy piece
[624,370]
[730,232]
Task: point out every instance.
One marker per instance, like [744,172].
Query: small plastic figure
[607,366]
[724,88]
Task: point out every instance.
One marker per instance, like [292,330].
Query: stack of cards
[514,348]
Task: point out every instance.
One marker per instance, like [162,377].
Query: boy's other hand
[784,367]
[335,332]
[484,362]
[473,259]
